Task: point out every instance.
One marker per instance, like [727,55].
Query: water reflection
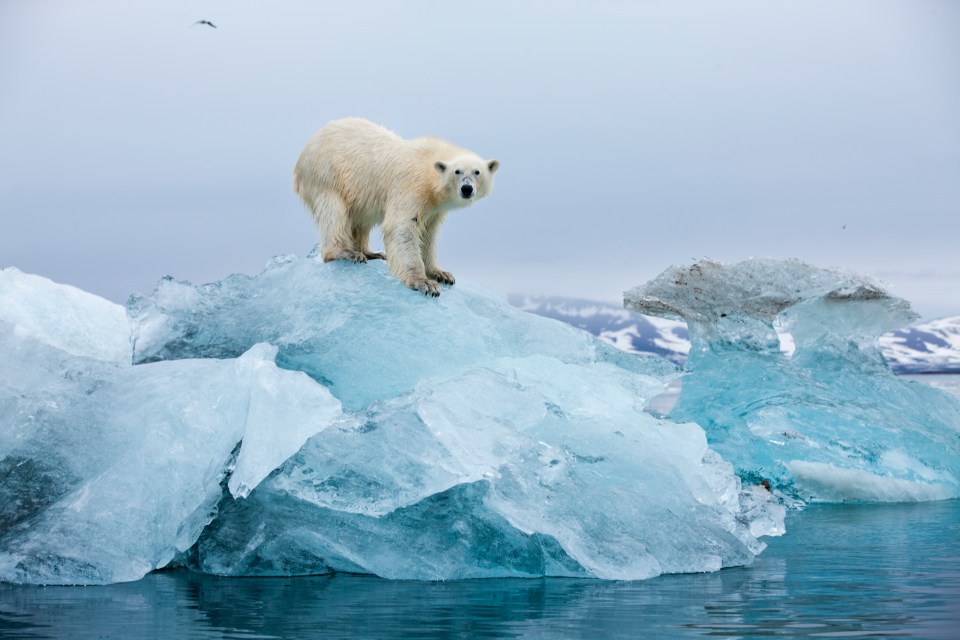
[841,571]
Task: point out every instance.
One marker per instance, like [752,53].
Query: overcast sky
[631,135]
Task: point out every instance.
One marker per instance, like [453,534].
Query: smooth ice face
[64,317]
[109,471]
[525,467]
[828,422]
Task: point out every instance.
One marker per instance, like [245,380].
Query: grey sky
[632,135]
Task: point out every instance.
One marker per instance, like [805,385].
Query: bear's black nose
[466,190]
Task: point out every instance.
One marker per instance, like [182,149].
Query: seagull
[206,22]
[843,228]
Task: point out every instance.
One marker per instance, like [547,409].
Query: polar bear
[354,175]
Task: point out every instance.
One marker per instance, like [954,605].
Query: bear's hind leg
[361,240]
[333,223]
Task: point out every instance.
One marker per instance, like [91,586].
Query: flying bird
[206,22]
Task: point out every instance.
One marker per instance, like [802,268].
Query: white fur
[354,175]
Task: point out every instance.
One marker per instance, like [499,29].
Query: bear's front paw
[425,286]
[443,277]
[375,255]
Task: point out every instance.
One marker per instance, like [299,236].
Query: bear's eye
[476,172]
[458,172]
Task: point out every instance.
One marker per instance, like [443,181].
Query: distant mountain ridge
[930,347]
[627,330]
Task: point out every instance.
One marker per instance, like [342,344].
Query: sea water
[888,570]
[949,382]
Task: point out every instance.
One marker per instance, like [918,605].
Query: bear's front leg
[430,231]
[401,239]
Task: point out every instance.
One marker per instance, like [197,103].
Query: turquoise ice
[823,418]
[322,417]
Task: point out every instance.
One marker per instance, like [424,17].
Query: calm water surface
[841,571]
[949,382]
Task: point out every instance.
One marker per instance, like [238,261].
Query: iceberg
[72,320]
[109,471]
[786,377]
[320,417]
[349,330]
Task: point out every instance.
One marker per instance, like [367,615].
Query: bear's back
[365,164]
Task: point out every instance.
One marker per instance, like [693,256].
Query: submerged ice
[321,417]
[826,421]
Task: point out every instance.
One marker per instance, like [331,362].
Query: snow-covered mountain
[931,347]
[627,330]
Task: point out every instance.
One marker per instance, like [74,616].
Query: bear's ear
[493,165]
[440,166]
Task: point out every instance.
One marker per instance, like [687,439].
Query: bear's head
[466,178]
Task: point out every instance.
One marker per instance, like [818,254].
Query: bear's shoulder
[436,148]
